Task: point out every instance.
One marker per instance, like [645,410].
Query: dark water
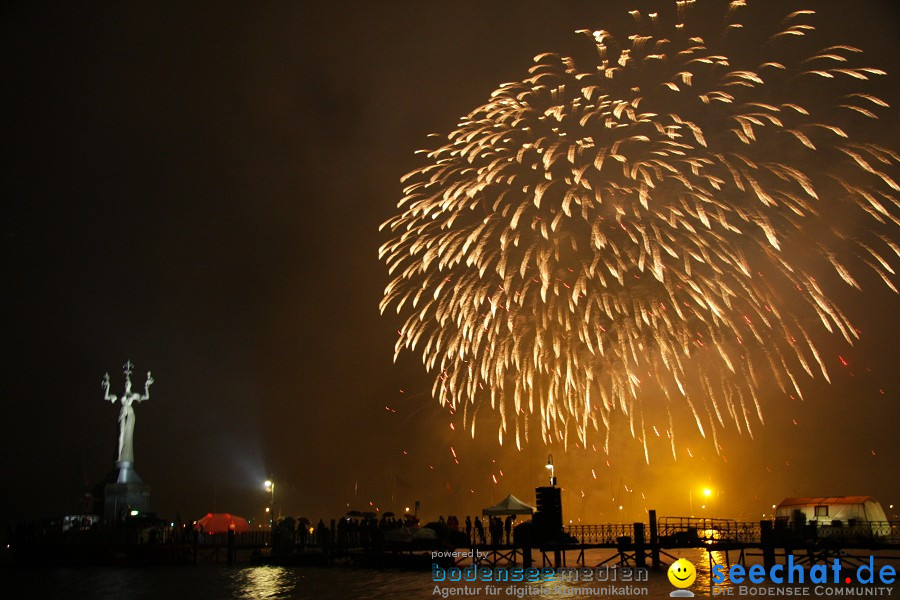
[214,582]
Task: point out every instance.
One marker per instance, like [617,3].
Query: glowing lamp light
[549,466]
[707,492]
[135,513]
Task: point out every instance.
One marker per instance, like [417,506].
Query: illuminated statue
[126,414]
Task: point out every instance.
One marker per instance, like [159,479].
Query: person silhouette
[479,529]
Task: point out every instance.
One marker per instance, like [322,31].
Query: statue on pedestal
[126,419]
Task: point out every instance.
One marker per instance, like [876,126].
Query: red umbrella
[222,522]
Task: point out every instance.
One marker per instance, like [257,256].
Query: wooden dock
[649,544]
[635,545]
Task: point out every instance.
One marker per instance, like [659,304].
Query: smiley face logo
[682,573]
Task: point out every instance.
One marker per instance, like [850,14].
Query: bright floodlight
[707,492]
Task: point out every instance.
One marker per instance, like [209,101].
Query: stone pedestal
[127,493]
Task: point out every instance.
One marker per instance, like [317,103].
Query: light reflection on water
[704,576]
[264,582]
[217,582]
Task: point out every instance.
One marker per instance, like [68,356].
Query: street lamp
[707,493]
[552,471]
[270,488]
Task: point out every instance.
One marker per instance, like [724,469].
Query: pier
[635,545]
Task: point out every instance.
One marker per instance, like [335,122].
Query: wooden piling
[767,542]
[231,551]
[640,556]
[654,541]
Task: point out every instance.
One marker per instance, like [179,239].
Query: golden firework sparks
[637,230]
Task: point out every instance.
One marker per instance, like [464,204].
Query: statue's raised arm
[105,385]
[147,383]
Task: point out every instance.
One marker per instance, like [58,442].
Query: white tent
[509,506]
[825,509]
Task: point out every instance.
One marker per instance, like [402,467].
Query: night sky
[199,189]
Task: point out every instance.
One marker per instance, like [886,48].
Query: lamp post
[552,470]
[270,488]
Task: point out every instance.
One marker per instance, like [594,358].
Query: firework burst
[637,228]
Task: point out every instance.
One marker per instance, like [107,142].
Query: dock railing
[691,531]
[676,532]
[600,534]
